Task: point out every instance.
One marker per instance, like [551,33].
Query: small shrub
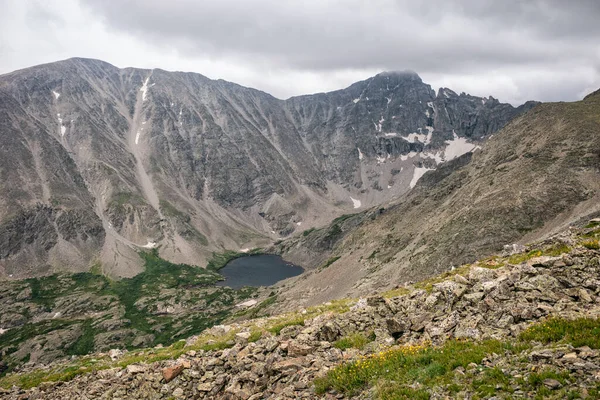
[178,345]
[592,244]
[356,341]
[308,231]
[255,334]
[330,261]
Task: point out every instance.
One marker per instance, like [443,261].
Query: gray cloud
[439,36]
[513,49]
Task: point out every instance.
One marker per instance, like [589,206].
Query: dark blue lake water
[260,270]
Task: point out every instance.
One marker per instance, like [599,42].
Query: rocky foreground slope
[519,325]
[99,162]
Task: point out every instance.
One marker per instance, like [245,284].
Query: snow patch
[150,245]
[454,148]
[405,157]
[63,129]
[2,331]
[429,134]
[389,186]
[457,147]
[299,223]
[144,88]
[416,137]
[389,100]
[380,159]
[137,136]
[355,202]
[247,303]
[356,100]
[245,250]
[360,154]
[391,134]
[378,126]
[56,315]
[417,174]
[430,104]
[56,94]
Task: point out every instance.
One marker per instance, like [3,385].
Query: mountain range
[97,162]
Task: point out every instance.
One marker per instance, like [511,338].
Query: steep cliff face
[149,157]
[536,176]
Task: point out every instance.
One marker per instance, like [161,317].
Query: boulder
[296,349]
[479,274]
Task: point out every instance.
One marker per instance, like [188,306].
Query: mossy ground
[407,372]
[205,341]
[190,286]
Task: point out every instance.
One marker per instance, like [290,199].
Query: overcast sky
[515,50]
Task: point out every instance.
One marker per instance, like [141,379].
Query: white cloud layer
[514,50]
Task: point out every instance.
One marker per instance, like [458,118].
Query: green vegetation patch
[190,287]
[356,340]
[308,231]
[85,343]
[578,332]
[406,365]
[414,371]
[552,251]
[159,274]
[219,260]
[342,218]
[330,261]
[591,244]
